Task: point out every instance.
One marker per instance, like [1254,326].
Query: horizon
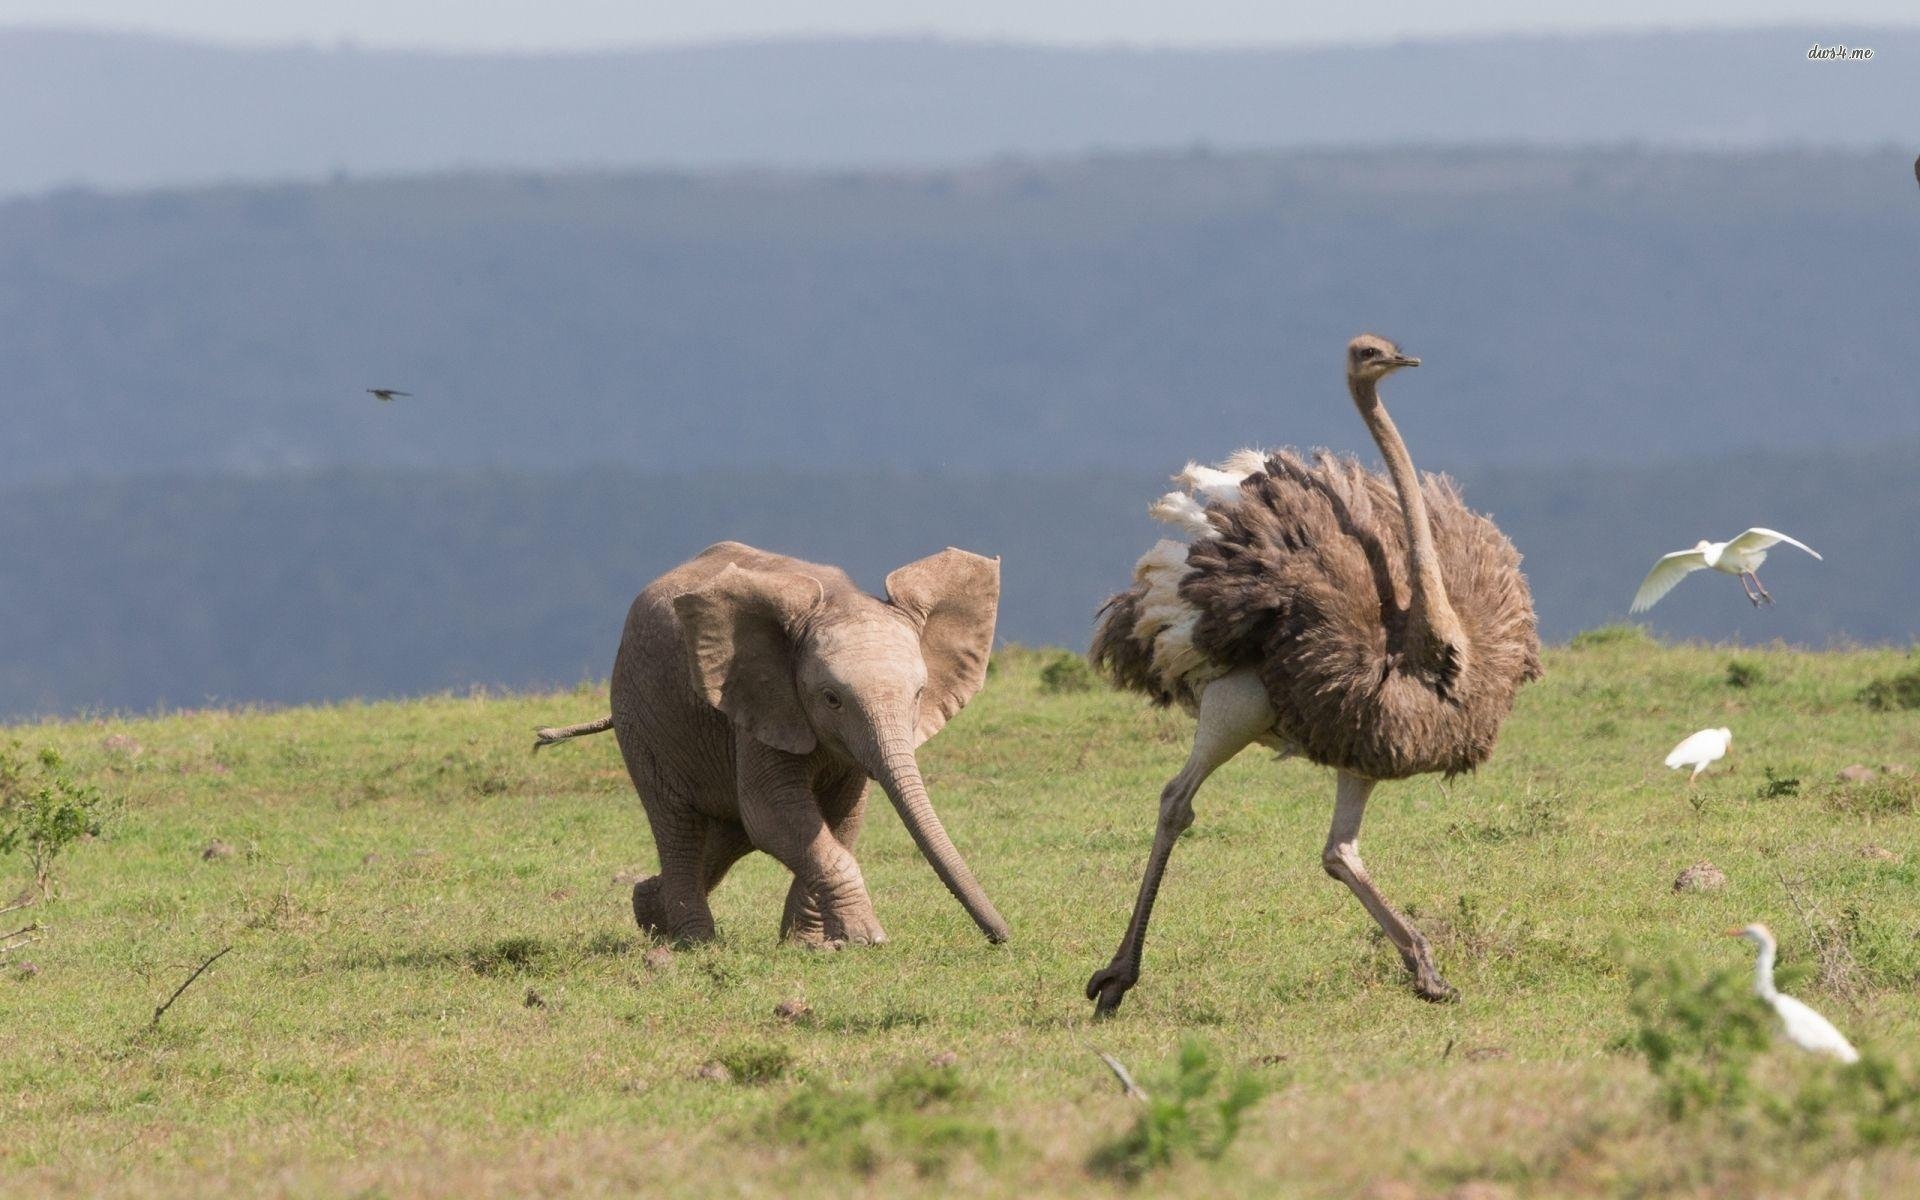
[351,43]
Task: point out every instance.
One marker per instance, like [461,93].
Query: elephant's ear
[741,628]
[953,597]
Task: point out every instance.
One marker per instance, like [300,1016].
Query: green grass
[436,987]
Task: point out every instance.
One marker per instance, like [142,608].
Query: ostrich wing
[1810,1031]
[1666,573]
[1760,539]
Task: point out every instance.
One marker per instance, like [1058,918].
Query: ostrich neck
[1436,625]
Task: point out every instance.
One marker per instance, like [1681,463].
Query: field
[435,987]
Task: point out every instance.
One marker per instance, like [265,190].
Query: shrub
[1777,786]
[1066,673]
[1893,694]
[918,1116]
[1742,673]
[1193,1113]
[43,811]
[755,1063]
[1699,1036]
[1608,635]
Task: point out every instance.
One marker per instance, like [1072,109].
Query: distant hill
[124,595]
[1118,312]
[124,111]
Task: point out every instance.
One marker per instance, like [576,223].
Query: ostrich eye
[1369,352]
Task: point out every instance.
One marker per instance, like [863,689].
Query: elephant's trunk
[895,768]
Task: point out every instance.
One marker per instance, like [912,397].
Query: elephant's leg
[723,844]
[843,805]
[1341,858]
[1233,712]
[782,816]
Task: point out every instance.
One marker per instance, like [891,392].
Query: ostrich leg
[1341,858]
[1233,712]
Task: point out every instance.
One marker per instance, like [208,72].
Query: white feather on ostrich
[1166,621]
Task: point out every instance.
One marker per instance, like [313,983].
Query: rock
[1878,853]
[1702,876]
[946,1058]
[657,959]
[26,969]
[215,851]
[713,1072]
[628,877]
[793,1010]
[1857,773]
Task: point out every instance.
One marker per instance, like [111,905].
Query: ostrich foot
[1427,983]
[1109,986]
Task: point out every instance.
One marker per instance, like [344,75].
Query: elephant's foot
[1109,986]
[650,913]
[849,929]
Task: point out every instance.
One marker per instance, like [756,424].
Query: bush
[1699,1036]
[753,1064]
[1193,1113]
[1705,1040]
[1608,635]
[1742,673]
[1066,673]
[43,811]
[1777,786]
[1894,694]
[917,1116]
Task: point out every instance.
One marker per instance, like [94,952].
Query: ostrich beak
[1402,360]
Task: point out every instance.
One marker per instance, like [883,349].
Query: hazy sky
[553,24]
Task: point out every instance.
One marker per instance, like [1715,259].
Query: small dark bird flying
[386,393]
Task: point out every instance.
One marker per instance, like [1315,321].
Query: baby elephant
[755,695]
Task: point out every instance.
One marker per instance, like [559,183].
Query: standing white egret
[1701,750]
[1742,557]
[1804,1027]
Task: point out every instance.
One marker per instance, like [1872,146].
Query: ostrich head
[1371,358]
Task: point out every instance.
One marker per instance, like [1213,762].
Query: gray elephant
[755,695]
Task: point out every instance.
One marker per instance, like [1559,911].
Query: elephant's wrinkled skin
[754,695]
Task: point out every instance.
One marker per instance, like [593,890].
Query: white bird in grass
[1701,750]
[1804,1027]
[1742,556]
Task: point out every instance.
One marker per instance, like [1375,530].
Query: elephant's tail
[554,734]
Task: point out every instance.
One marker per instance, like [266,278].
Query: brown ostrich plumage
[1371,623]
[1307,582]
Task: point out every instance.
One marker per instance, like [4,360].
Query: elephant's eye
[831,697]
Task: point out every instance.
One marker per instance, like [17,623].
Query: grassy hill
[435,988]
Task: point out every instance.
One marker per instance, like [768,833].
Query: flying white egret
[1742,557]
[1804,1027]
[1701,750]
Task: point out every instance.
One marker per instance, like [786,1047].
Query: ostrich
[1374,625]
